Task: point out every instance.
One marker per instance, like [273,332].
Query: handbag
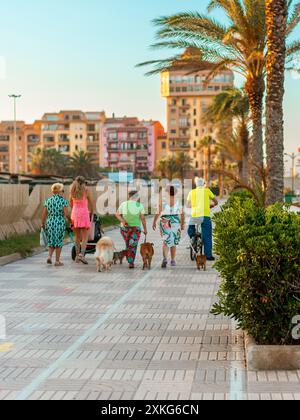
[43,238]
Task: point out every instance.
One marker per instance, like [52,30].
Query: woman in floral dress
[54,219]
[172,223]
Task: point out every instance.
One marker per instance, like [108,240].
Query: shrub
[259,252]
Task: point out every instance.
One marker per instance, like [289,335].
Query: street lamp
[15,143]
[293,156]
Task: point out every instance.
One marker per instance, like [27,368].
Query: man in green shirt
[199,200]
[131,215]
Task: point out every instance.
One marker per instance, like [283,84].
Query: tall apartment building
[188,97]
[66,131]
[128,144]
[71,131]
[12,151]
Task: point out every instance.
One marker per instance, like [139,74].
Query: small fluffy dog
[119,256]
[201,262]
[104,254]
[147,253]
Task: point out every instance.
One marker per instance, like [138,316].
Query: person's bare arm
[158,213]
[144,223]
[90,201]
[121,219]
[215,201]
[67,215]
[44,216]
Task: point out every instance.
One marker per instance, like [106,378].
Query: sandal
[49,261]
[59,264]
[83,260]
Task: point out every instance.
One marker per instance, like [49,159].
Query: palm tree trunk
[255,89]
[244,136]
[276,12]
[209,164]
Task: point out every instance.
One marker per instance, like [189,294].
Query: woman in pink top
[82,207]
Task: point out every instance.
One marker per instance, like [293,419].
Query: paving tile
[159,342]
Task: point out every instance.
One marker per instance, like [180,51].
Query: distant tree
[184,164]
[49,162]
[205,146]
[81,164]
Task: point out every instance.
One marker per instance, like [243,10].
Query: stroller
[91,246]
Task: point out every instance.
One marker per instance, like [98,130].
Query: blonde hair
[78,188]
[57,188]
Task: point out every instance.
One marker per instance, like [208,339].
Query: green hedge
[259,262]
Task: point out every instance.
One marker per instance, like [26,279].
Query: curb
[269,358]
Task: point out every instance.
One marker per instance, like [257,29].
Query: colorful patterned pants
[131,236]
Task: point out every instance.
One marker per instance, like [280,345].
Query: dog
[201,262]
[147,253]
[119,256]
[104,254]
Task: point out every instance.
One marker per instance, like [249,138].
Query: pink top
[80,213]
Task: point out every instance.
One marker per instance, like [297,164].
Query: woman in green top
[131,215]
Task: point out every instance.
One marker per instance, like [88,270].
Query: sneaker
[211,259]
[173,264]
[164,263]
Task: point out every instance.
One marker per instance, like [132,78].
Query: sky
[81,54]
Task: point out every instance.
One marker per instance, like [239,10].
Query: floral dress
[56,224]
[170,225]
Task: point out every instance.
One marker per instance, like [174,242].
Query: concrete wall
[20,212]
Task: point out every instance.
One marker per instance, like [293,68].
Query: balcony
[180,147]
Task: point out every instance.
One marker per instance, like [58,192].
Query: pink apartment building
[128,144]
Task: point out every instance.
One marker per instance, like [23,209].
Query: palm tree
[172,168]
[161,168]
[81,164]
[276,14]
[239,45]
[233,104]
[205,146]
[184,164]
[49,162]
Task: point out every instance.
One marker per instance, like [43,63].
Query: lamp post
[15,142]
[293,156]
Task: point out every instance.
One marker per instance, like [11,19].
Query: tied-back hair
[78,188]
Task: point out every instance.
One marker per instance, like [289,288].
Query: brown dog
[147,253]
[201,262]
[119,256]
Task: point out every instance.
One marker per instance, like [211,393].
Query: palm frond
[294,17]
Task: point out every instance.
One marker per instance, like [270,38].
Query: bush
[259,262]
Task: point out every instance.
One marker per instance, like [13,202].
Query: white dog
[105,254]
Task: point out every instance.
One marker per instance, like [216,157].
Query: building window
[195,123]
[174,102]
[195,112]
[173,131]
[184,102]
[197,133]
[164,145]
[195,145]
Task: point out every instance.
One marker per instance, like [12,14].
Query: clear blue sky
[80,54]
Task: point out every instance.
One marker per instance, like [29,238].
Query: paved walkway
[76,334]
